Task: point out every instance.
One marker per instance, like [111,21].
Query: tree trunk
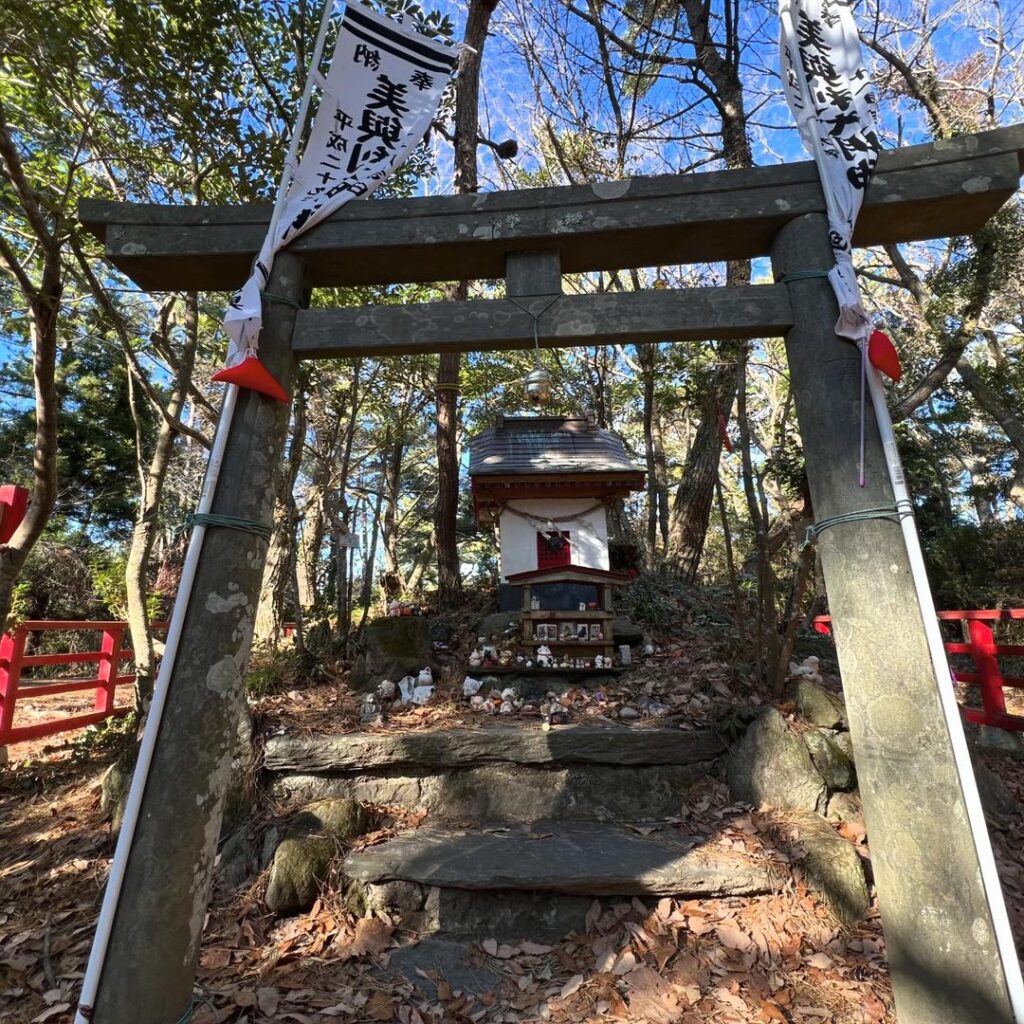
[801,575]
[369,563]
[279,579]
[648,359]
[43,300]
[393,583]
[660,482]
[765,637]
[446,507]
[147,523]
[730,564]
[467,130]
[692,508]
[720,62]
[1011,424]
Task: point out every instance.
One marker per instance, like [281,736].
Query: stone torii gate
[939,931]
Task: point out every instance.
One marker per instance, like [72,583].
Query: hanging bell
[537,387]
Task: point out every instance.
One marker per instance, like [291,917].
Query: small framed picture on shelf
[582,631]
[547,631]
[567,632]
[595,631]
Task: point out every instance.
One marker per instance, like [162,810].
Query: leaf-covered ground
[780,957]
[775,958]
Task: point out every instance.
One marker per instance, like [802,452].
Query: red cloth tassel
[883,355]
[252,374]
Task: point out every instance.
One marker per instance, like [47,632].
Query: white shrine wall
[588,536]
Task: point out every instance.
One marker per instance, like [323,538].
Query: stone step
[510,792]
[605,744]
[573,858]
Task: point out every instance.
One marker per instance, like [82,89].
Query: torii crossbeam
[938,927]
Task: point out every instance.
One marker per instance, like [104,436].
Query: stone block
[831,865]
[396,646]
[571,857]
[624,632]
[510,792]
[817,704]
[772,765]
[312,838]
[832,762]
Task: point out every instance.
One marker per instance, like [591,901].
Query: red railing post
[986,661]
[12,651]
[110,658]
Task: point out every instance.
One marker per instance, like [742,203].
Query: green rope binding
[888,512]
[283,300]
[229,522]
[801,275]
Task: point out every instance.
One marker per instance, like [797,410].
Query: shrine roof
[532,445]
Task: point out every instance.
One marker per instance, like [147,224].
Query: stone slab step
[448,959]
[511,792]
[612,744]
[584,858]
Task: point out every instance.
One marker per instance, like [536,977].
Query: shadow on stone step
[434,959]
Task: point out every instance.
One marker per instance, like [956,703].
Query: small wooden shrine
[547,481]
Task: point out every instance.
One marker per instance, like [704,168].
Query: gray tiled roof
[547,444]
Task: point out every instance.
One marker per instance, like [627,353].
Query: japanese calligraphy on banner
[378,99]
[830,96]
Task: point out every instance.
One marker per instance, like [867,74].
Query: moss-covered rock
[831,865]
[498,624]
[831,760]
[396,646]
[312,838]
[771,765]
[116,782]
[818,705]
[845,807]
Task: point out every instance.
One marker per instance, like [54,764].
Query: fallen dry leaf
[372,936]
[535,948]
[213,959]
[651,997]
[51,1012]
[625,963]
[380,1006]
[267,1000]
[732,936]
[771,1012]
[571,986]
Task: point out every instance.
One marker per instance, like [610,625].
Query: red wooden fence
[981,645]
[14,661]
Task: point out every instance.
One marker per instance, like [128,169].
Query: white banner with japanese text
[377,101]
[830,95]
